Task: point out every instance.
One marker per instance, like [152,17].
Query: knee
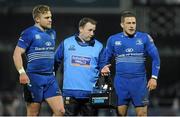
[32,113]
[142,113]
[122,113]
[59,112]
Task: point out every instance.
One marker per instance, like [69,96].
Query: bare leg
[33,109]
[57,105]
[141,111]
[122,110]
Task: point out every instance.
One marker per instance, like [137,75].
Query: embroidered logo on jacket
[72,48]
[80,61]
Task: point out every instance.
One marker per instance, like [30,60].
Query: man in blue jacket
[129,48]
[80,54]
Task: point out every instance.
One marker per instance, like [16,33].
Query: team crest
[37,36]
[139,42]
[48,43]
[118,43]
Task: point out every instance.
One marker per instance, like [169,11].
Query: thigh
[56,104]
[139,92]
[34,91]
[51,88]
[121,88]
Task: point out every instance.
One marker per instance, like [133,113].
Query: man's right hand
[23,78]
[105,70]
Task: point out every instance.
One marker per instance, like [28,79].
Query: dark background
[159,18]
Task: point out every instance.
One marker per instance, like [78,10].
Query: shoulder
[52,31]
[117,35]
[70,38]
[98,43]
[33,30]
[28,30]
[28,33]
[145,36]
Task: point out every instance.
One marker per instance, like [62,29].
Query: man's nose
[92,33]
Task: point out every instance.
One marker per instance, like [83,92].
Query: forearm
[155,62]
[17,57]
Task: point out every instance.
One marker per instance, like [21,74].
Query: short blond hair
[40,9]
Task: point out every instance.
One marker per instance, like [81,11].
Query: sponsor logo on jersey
[80,61]
[129,50]
[37,36]
[118,43]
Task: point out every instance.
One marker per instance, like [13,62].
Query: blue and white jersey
[81,63]
[130,54]
[39,46]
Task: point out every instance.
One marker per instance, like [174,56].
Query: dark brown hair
[125,14]
[85,20]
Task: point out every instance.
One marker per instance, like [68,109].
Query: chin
[130,34]
[48,27]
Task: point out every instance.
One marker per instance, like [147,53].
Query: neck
[81,38]
[40,27]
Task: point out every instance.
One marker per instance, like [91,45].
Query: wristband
[154,77]
[21,71]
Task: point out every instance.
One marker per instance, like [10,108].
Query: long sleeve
[108,54]
[101,61]
[59,55]
[153,52]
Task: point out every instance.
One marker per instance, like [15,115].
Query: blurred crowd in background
[160,18]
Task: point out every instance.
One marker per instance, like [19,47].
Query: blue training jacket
[81,65]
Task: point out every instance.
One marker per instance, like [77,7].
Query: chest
[129,45]
[41,40]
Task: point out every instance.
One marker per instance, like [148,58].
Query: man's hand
[105,70]
[152,84]
[23,78]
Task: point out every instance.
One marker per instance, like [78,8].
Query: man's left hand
[152,84]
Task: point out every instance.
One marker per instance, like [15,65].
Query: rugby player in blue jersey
[130,48]
[80,55]
[38,43]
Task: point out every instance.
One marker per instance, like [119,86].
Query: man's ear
[37,19]
[80,29]
[121,24]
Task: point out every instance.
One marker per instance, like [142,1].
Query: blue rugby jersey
[39,46]
[130,54]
